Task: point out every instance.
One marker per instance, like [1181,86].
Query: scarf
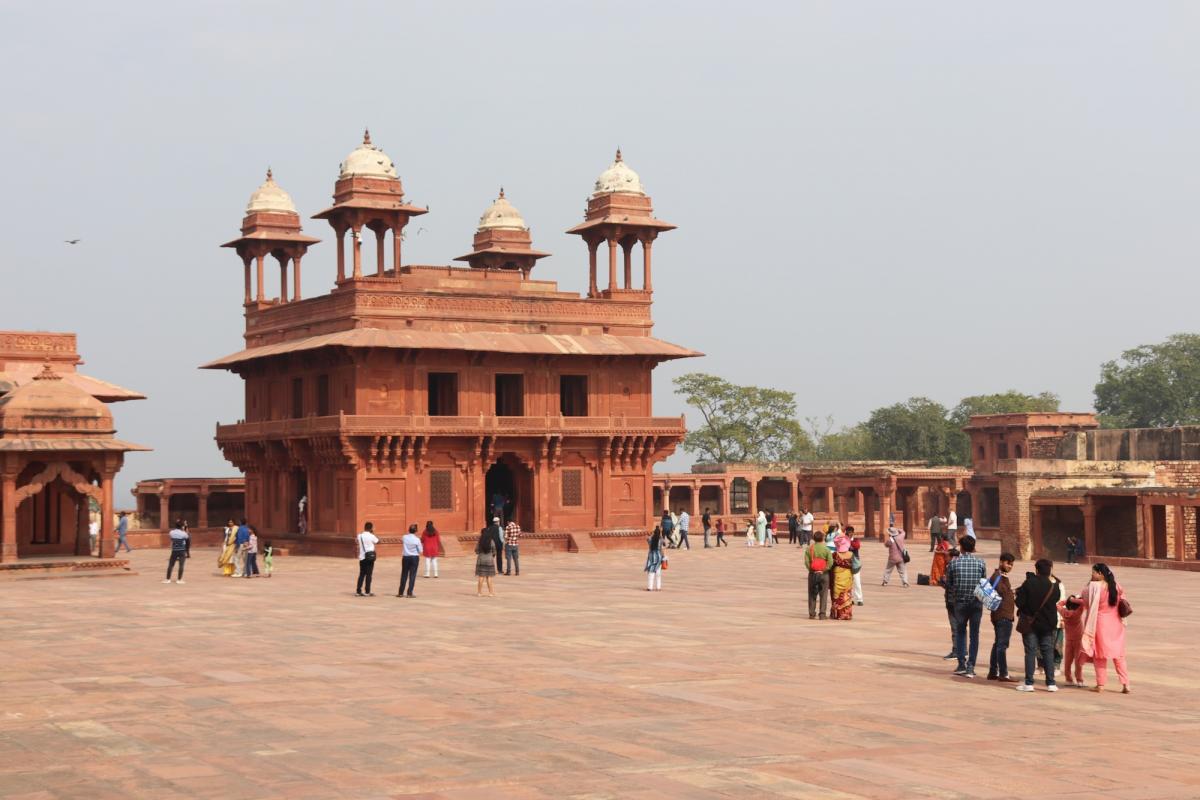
[841,543]
[1091,611]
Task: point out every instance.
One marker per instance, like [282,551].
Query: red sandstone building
[58,449]
[429,392]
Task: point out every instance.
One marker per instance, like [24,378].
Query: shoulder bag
[815,564]
[1025,621]
[904,556]
[1123,608]
[986,593]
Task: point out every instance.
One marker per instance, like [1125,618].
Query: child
[268,560]
[1071,611]
[749,533]
[721,532]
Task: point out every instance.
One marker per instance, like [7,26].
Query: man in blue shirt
[962,576]
[181,548]
[122,529]
[241,542]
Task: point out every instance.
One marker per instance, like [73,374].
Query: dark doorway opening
[573,395]
[298,515]
[1059,522]
[510,395]
[508,490]
[443,394]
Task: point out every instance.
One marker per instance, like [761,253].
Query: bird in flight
[72,241]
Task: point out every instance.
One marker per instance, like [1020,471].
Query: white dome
[367,160]
[619,178]
[270,197]
[501,214]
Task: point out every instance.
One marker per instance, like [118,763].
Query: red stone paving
[573,683]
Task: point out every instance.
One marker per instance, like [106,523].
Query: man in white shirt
[952,527]
[806,523]
[366,559]
[410,560]
[93,535]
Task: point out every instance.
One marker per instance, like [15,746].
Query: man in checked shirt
[512,551]
[962,576]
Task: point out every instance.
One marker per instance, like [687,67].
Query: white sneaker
[1024,687]
[180,581]
[168,580]
[1052,687]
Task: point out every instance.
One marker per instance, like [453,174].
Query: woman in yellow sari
[225,560]
[842,579]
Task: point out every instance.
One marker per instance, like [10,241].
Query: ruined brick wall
[1182,474]
[1046,447]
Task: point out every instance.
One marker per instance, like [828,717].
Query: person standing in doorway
[366,559]
[1071,543]
[685,522]
[181,549]
[431,545]
[410,560]
[818,561]
[1003,619]
[706,522]
[122,530]
[896,553]
[962,576]
[1037,600]
[935,531]
[512,547]
[721,532]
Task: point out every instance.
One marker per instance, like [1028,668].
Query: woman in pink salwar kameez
[1103,627]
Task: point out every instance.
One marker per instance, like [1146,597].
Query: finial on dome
[366,136]
[501,193]
[619,154]
[47,373]
[270,177]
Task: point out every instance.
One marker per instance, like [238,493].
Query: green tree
[848,444]
[741,423]
[1153,385]
[915,429]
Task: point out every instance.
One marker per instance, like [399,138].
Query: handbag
[369,555]
[1025,621]
[986,593]
[665,562]
[1123,608]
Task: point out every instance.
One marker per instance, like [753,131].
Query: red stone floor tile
[573,683]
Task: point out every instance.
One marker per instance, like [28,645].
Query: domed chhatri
[619,178]
[501,214]
[53,407]
[368,161]
[270,198]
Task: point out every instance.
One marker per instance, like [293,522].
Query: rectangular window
[322,395]
[1002,450]
[739,496]
[573,395]
[510,395]
[297,398]
[441,490]
[572,488]
[443,394]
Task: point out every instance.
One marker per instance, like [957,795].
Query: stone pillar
[397,238]
[380,233]
[246,266]
[283,280]
[754,498]
[844,510]
[295,278]
[1146,523]
[164,511]
[1089,528]
[628,248]
[612,263]
[202,508]
[886,499]
[106,547]
[830,506]
[695,511]
[592,289]
[1180,543]
[259,292]
[8,517]
[794,495]
[1037,543]
[647,243]
[341,254]
[725,504]
[356,243]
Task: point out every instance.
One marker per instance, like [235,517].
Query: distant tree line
[1148,386]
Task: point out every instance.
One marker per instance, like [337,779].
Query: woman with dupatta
[225,560]
[941,557]
[842,579]
[1103,626]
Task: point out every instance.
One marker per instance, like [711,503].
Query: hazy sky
[875,199]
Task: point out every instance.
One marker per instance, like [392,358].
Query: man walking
[122,529]
[1002,620]
[668,527]
[962,576]
[366,560]
[819,561]
[512,547]
[806,525]
[684,523]
[935,531]
[706,521]
[409,561]
[1038,598]
[181,548]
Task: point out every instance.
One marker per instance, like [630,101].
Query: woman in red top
[432,547]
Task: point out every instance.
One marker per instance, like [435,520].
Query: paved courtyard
[573,683]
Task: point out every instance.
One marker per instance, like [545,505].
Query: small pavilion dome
[501,214]
[619,178]
[65,407]
[367,160]
[270,197]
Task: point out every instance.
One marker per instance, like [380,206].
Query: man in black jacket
[1038,599]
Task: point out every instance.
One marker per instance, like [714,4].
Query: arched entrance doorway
[508,492]
[53,510]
